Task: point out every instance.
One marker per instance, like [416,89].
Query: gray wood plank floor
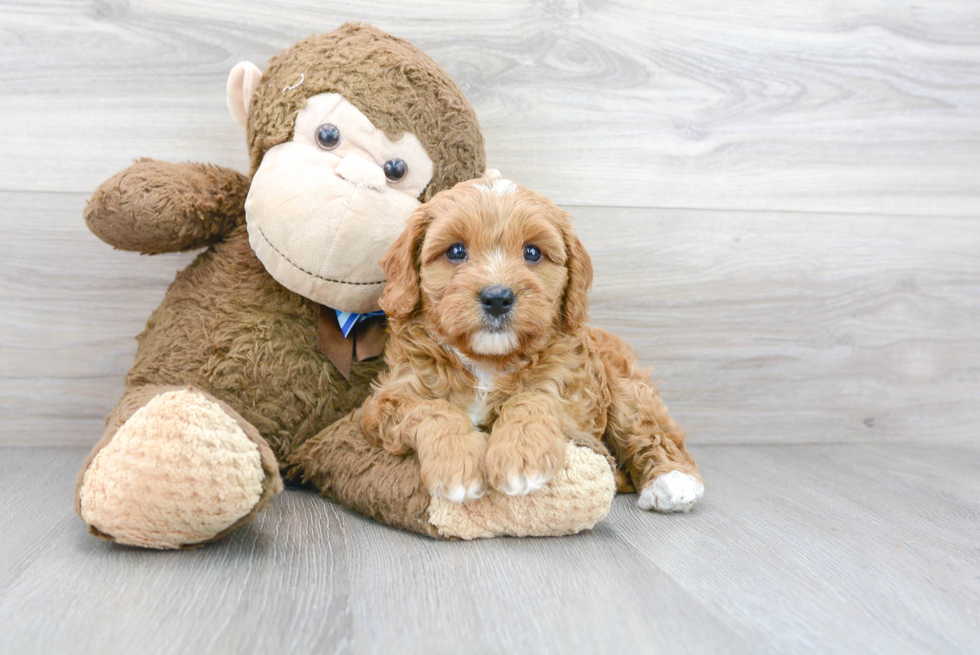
[795,549]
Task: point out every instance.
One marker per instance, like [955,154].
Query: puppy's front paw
[523,458]
[671,492]
[455,471]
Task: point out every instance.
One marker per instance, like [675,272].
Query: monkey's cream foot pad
[178,472]
[578,497]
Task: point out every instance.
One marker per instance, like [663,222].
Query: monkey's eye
[532,253]
[328,136]
[456,252]
[395,169]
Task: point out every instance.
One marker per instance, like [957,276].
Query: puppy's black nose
[497,300]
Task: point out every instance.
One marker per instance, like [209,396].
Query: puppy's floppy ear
[401,268]
[575,303]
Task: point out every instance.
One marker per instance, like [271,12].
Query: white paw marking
[460,494]
[671,492]
[522,485]
[474,491]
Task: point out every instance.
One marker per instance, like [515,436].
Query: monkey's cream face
[324,207]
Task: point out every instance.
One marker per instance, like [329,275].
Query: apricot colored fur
[562,380]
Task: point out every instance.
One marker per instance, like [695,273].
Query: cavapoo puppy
[492,366]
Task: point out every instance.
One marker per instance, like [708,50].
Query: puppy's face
[497,270]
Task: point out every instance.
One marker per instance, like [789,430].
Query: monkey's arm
[154,207]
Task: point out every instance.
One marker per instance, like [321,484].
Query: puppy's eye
[532,254]
[456,252]
[395,169]
[328,136]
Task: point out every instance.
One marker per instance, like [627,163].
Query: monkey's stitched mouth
[311,274]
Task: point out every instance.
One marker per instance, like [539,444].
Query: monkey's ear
[243,80]
[401,268]
[575,303]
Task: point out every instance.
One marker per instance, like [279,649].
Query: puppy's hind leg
[644,438]
[642,435]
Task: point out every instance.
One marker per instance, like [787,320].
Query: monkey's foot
[577,498]
[180,471]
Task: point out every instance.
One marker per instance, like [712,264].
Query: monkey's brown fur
[225,326]
[389,80]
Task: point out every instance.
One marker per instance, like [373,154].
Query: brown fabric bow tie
[365,341]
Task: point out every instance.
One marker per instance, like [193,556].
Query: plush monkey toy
[248,369]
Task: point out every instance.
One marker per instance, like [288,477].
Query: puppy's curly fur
[491,395]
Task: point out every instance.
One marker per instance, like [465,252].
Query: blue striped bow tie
[347,320]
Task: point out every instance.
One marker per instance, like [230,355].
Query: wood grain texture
[72,307]
[763,327]
[870,107]
[795,549]
[783,327]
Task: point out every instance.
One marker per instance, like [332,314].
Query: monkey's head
[348,133]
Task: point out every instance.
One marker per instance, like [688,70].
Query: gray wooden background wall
[782,198]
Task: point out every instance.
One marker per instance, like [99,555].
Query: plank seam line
[726,210]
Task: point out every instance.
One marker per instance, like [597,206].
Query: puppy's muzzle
[497,300]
